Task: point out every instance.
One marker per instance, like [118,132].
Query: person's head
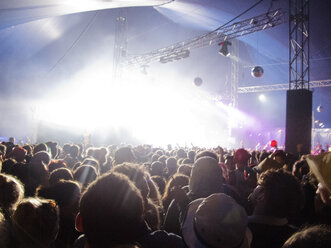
[40,147]
[28,149]
[163,159]
[191,155]
[41,157]
[39,166]
[85,174]
[157,169]
[206,154]
[229,163]
[136,174]
[206,177]
[314,236]
[155,157]
[278,194]
[111,211]
[11,140]
[216,221]
[67,194]
[18,153]
[172,166]
[74,151]
[53,148]
[185,169]
[91,161]
[176,181]
[11,192]
[66,149]
[36,222]
[181,153]
[60,174]
[123,154]
[241,157]
[56,164]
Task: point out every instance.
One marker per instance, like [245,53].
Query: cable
[161,4]
[236,17]
[75,41]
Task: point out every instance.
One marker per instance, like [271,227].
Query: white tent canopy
[14,12]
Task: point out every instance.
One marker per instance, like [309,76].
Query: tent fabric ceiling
[36,34]
[13,12]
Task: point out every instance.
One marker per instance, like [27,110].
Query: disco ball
[257,71]
[320,108]
[198,81]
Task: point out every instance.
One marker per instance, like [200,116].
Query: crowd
[80,196]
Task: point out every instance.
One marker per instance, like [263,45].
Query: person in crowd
[216,221]
[163,159]
[85,174]
[171,164]
[56,164]
[71,157]
[3,150]
[116,218]
[53,148]
[191,155]
[91,161]
[185,169]
[176,181]
[181,153]
[40,147]
[277,198]
[66,194]
[35,223]
[314,236]
[138,176]
[18,153]
[157,169]
[123,154]
[206,179]
[160,182]
[60,174]
[241,157]
[206,153]
[11,192]
[4,232]
[276,160]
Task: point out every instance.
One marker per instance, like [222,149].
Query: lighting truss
[231,31]
[299,44]
[275,87]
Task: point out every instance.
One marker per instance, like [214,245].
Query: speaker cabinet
[298,121]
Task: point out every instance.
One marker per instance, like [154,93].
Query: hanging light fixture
[224,49]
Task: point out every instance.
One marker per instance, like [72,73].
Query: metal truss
[275,87]
[299,44]
[175,51]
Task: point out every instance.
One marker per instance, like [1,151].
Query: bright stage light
[262,98]
[157,112]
